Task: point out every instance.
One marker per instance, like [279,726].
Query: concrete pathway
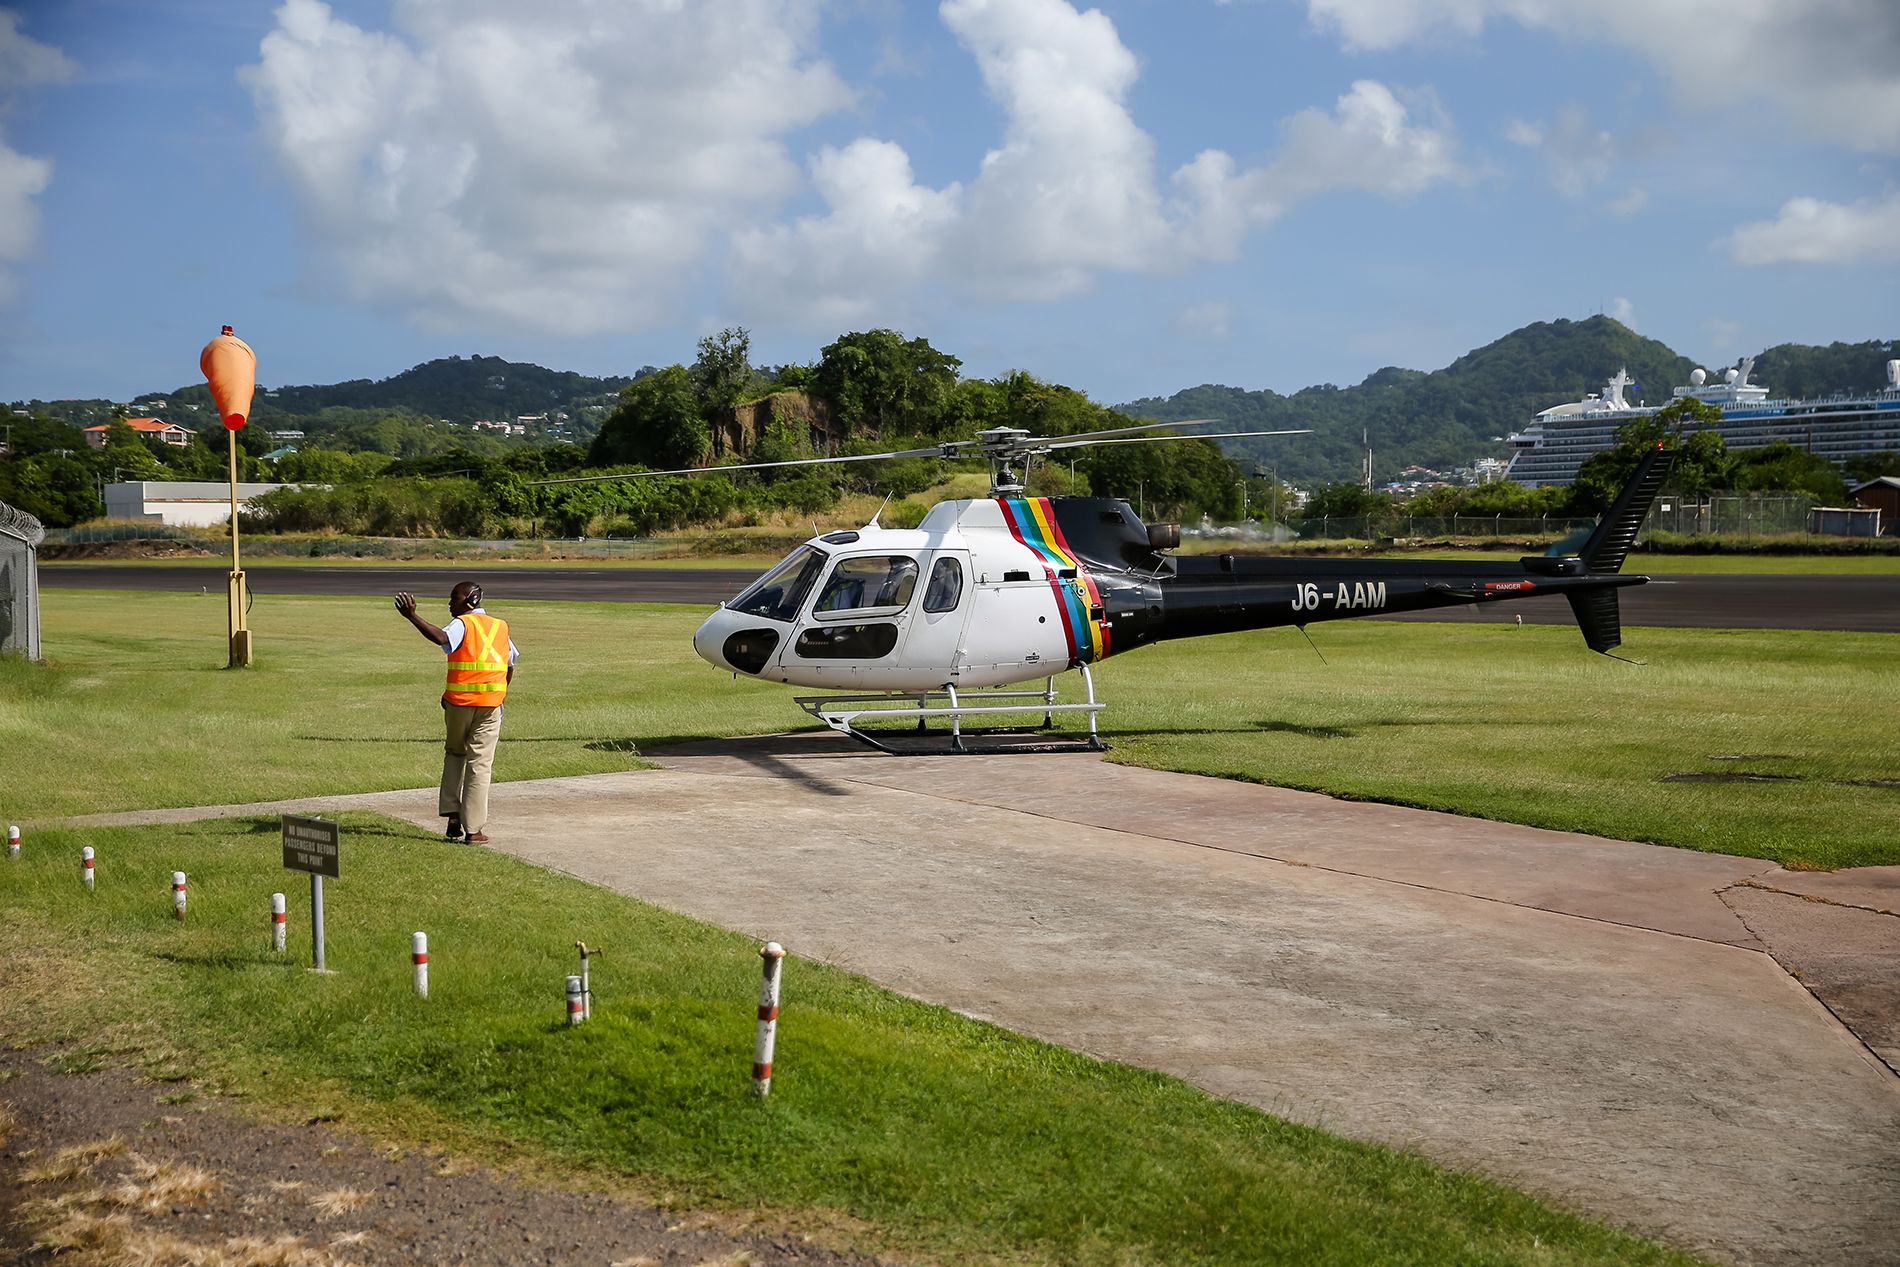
[1600,1022]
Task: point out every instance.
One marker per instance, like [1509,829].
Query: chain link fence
[1731,515]
[20,535]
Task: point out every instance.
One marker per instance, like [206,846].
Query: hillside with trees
[403,456]
[1443,419]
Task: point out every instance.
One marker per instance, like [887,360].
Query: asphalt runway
[1865,604]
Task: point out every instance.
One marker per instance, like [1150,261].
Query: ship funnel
[1893,373]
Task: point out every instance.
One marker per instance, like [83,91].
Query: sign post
[312,845]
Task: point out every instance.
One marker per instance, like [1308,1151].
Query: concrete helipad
[1600,1022]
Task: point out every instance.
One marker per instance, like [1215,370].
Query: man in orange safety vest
[481,665]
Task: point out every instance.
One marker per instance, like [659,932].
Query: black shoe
[454,830]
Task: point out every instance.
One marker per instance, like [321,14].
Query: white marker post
[178,894]
[576,1009]
[419,955]
[85,866]
[278,921]
[13,841]
[773,954]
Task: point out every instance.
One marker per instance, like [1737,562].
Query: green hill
[1441,419]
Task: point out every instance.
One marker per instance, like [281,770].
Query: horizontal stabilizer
[1599,616]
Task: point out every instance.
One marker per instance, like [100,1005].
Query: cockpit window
[869,580]
[781,592]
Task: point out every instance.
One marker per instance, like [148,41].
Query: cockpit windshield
[781,592]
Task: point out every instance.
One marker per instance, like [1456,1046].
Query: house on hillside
[168,432]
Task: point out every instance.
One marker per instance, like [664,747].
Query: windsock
[230,367]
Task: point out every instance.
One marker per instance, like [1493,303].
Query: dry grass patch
[338,1202]
[75,1161]
[155,1187]
[8,1122]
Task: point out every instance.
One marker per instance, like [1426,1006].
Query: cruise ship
[1551,449]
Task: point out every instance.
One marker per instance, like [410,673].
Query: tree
[1183,477]
[1872,466]
[723,371]
[1344,501]
[1703,466]
[876,380]
[1782,468]
[658,424]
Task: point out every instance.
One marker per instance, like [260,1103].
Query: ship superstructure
[1563,437]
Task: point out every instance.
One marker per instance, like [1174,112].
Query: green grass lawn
[1519,724]
[926,1132]
[1527,726]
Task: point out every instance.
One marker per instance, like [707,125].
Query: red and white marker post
[419,955]
[576,1002]
[278,922]
[86,861]
[13,841]
[178,894]
[773,954]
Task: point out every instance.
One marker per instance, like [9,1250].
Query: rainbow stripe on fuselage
[1032,521]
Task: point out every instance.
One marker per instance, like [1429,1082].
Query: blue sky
[1130,199]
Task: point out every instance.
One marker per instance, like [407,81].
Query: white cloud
[25,64]
[1630,203]
[1519,132]
[562,167]
[1811,231]
[1071,190]
[1829,66]
[1211,319]
[575,169]
[1624,311]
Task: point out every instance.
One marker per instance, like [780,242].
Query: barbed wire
[17,523]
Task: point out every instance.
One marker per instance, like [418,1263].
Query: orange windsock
[230,367]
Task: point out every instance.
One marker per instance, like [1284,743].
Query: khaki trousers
[468,759]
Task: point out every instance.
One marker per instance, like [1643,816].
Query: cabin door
[936,628]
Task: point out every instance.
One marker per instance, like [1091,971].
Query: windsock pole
[230,368]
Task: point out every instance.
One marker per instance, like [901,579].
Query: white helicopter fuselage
[983,593]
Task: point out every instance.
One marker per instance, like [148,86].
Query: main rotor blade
[1043,442]
[1206,435]
[935,451]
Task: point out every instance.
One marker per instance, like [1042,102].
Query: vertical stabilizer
[1616,532]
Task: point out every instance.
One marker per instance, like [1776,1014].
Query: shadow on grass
[591,742]
[270,825]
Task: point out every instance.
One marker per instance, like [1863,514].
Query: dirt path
[98,1168]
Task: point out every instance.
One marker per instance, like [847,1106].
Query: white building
[183,502]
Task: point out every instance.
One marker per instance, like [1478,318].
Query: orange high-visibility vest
[478,669]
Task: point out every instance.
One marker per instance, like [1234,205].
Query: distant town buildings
[166,432]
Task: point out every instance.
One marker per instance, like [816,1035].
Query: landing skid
[843,713]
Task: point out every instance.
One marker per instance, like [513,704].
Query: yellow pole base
[240,636]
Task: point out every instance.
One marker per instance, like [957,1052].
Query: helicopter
[990,593]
